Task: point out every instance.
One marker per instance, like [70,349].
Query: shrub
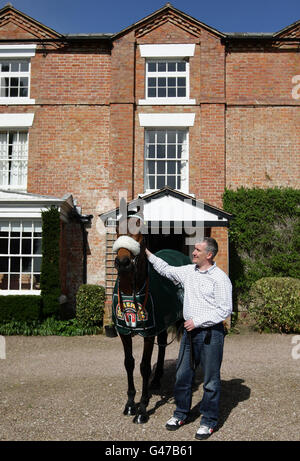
[264,236]
[50,273]
[48,327]
[90,304]
[274,304]
[20,308]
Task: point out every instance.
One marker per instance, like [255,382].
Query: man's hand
[189,325]
[148,253]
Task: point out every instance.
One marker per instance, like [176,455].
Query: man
[207,303]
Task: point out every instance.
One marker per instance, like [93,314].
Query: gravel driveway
[74,388]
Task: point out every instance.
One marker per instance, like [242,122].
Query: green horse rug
[156,306]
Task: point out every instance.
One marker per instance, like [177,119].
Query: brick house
[168,111]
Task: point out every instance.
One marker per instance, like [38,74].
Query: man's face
[200,255]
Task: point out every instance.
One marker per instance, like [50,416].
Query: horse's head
[127,249]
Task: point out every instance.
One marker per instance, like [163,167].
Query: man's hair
[211,245]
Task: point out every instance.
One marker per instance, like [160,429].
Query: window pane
[14,66]
[3,281]
[171,182]
[171,92]
[151,82]
[160,182]
[23,92]
[151,150]
[151,92]
[161,82]
[161,136]
[161,167]
[161,93]
[171,136]
[14,81]
[26,264]
[15,265]
[171,81]
[160,151]
[171,167]
[3,264]
[15,246]
[181,81]
[171,151]
[25,282]
[13,92]
[181,136]
[37,262]
[27,226]
[151,182]
[14,282]
[37,246]
[26,246]
[36,282]
[181,92]
[15,228]
[151,66]
[4,228]
[181,66]
[37,228]
[5,66]
[4,246]
[151,167]
[171,66]
[24,66]
[161,67]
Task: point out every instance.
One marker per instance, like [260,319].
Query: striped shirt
[207,294]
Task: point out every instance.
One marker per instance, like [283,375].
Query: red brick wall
[263,147]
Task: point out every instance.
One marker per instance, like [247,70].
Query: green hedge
[90,305]
[264,236]
[50,273]
[20,308]
[274,304]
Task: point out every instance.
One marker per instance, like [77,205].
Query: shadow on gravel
[232,393]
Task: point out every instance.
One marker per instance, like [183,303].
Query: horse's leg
[145,367]
[159,370]
[130,407]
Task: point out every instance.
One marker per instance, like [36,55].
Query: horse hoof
[129,410]
[141,419]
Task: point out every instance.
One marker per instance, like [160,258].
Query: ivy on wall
[50,272]
[264,236]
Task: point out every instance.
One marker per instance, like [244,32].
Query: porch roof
[169,205]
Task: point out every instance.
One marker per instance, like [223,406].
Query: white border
[167,51]
[174,120]
[16,120]
[17,51]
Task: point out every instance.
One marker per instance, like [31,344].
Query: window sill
[14,188]
[16,101]
[166,101]
[20,292]
[151,191]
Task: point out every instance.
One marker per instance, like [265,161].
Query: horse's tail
[176,329]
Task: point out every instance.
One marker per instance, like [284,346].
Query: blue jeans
[209,354]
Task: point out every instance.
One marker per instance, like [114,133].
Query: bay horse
[147,304]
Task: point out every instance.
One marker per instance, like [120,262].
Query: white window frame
[16,123]
[167,53]
[183,159]
[32,273]
[17,52]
